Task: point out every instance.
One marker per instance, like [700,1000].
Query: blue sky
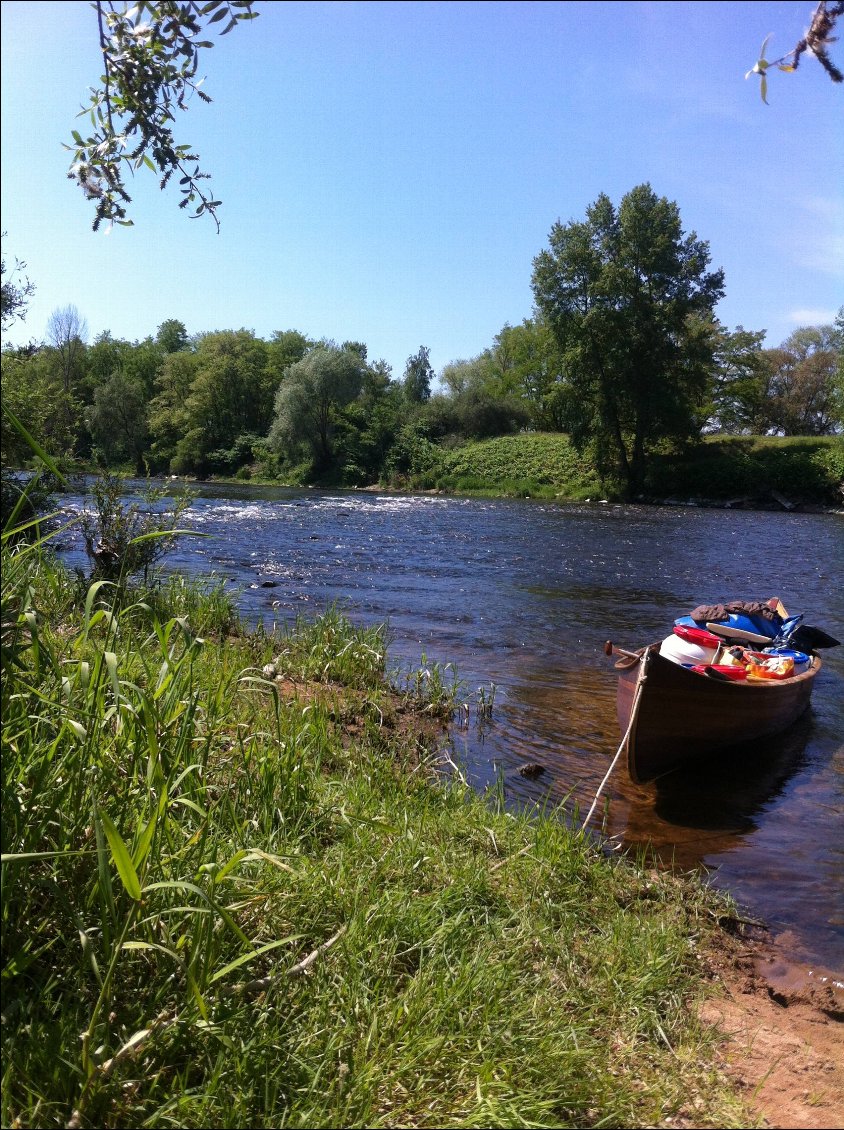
[388,171]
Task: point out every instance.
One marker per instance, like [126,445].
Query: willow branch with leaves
[150,63]
[816,41]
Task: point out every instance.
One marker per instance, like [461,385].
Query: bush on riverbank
[805,470]
[234,894]
[540,465]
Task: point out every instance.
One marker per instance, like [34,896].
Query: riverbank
[804,474]
[750,472]
[233,863]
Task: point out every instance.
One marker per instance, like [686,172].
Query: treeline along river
[520,596]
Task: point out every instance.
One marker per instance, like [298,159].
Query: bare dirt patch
[783,1029]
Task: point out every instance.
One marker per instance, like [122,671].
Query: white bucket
[684,651]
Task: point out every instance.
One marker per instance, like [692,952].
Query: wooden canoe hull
[682,716]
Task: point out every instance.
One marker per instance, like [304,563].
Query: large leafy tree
[740,381]
[231,394]
[307,403]
[172,336]
[630,300]
[801,396]
[531,366]
[117,420]
[418,376]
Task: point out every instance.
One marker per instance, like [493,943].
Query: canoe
[673,716]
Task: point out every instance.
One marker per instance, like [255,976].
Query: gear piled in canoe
[727,677]
[754,640]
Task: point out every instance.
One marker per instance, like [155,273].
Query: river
[518,598]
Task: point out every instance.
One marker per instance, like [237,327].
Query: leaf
[145,841]
[249,956]
[168,534]
[20,856]
[111,664]
[78,729]
[33,444]
[122,859]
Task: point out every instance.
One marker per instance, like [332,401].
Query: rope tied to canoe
[634,710]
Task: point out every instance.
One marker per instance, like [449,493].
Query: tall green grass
[233,893]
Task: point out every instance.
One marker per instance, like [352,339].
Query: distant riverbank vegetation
[622,384]
[294,411]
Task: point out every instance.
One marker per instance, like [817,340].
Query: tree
[168,417]
[307,402]
[66,333]
[117,420]
[368,425]
[150,62]
[32,391]
[15,293]
[484,400]
[801,386]
[418,375]
[532,368]
[231,394]
[740,379]
[630,302]
[838,380]
[172,336]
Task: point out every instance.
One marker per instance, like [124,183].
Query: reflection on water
[523,595]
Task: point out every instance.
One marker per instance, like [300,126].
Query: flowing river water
[518,597]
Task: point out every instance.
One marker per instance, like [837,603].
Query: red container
[700,636]
[721,671]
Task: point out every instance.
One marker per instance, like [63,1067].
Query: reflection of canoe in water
[677,716]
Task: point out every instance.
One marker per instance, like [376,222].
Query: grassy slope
[803,469]
[190,813]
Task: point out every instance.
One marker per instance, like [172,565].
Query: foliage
[184,836]
[15,292]
[838,378]
[630,302]
[150,61]
[536,464]
[414,459]
[172,336]
[816,41]
[738,391]
[753,469]
[367,427]
[311,393]
[117,420]
[209,397]
[532,368]
[800,394]
[418,375]
[123,539]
